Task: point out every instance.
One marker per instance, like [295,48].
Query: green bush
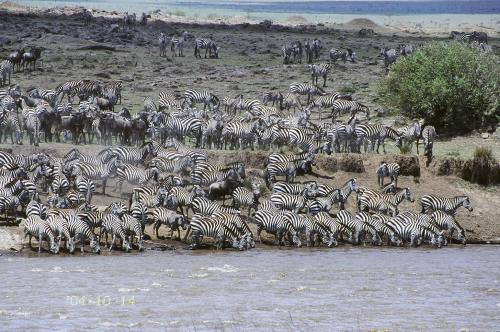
[452,86]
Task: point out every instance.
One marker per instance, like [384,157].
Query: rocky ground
[249,63]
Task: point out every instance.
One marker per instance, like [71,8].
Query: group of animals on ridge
[173,177]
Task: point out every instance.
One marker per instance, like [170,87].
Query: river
[344,288]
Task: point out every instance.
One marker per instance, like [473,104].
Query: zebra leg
[113,239]
[259,230]
[104,187]
[40,243]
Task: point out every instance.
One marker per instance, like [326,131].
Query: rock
[114,28]
[127,78]
[4,41]
[485,135]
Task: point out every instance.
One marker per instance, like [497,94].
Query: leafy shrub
[482,168]
[452,86]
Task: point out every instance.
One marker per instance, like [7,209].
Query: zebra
[377,204]
[60,227]
[5,71]
[307,189]
[346,190]
[327,101]
[132,227]
[290,202]
[34,226]
[324,204]
[348,106]
[206,226]
[448,222]
[391,170]
[202,205]
[342,135]
[379,222]
[319,70]
[169,218]
[97,171]
[243,197]
[428,134]
[306,89]
[208,45]
[80,230]
[139,211]
[111,224]
[11,125]
[311,228]
[312,49]
[358,226]
[369,226]
[448,205]
[294,49]
[277,224]
[35,208]
[239,226]
[162,42]
[48,95]
[409,230]
[409,134]
[184,197]
[193,96]
[343,54]
[288,169]
[135,175]
[202,176]
[33,125]
[85,187]
[396,198]
[178,44]
[390,56]
[375,133]
[92,218]
[275,97]
[131,155]
[68,89]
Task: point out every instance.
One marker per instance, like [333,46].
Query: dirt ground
[249,64]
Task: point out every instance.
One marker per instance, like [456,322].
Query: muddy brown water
[262,289]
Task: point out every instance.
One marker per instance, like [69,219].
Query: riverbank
[431,24]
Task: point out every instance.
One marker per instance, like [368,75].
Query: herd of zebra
[177,45]
[169,183]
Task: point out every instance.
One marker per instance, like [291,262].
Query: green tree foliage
[452,86]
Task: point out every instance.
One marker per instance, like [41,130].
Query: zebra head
[467,204]
[395,239]
[54,245]
[438,239]
[296,239]
[407,195]
[126,245]
[461,236]
[71,245]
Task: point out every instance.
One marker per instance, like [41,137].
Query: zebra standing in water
[320,70]
[162,42]
[40,229]
[391,170]
[178,44]
[208,45]
[306,89]
[5,72]
[448,205]
[80,230]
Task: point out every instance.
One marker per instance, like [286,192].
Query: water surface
[261,289]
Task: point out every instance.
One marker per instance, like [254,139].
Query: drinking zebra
[277,224]
[35,226]
[409,134]
[80,230]
[294,203]
[133,227]
[448,222]
[448,205]
[60,227]
[206,226]
[406,226]
[111,224]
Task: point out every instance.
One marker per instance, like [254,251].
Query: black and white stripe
[34,226]
[80,231]
[277,224]
[448,205]
[320,70]
[177,44]
[208,45]
[342,54]
[390,170]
